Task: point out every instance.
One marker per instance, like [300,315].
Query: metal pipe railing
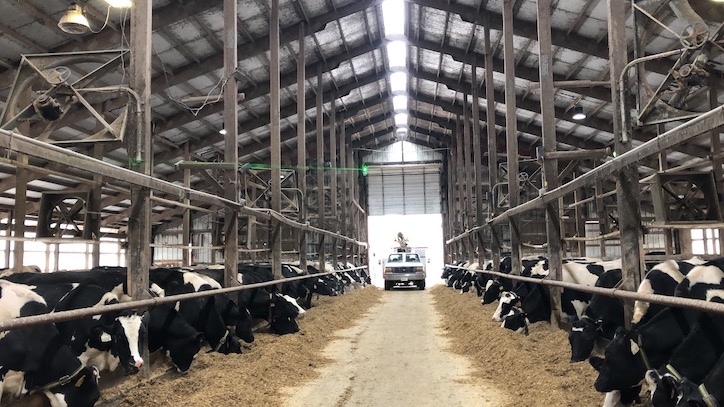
[54,317]
[17,142]
[669,301]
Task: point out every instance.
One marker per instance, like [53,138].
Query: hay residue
[254,377]
[534,370]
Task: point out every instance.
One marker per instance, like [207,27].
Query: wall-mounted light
[577,113]
[120,3]
[222,132]
[74,21]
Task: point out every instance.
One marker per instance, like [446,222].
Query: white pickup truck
[404,268]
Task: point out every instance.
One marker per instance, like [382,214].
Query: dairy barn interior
[182,181]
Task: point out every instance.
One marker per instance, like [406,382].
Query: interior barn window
[705,241]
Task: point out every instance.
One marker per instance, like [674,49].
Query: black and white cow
[169,331]
[661,279]
[35,359]
[495,287]
[516,320]
[279,310]
[202,313]
[693,359]
[703,282]
[103,341]
[603,316]
[623,366]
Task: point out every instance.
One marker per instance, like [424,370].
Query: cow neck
[168,321]
[203,315]
[49,354]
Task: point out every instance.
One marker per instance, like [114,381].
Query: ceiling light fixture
[222,132]
[120,3]
[73,21]
[578,113]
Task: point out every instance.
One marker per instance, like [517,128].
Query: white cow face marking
[634,348]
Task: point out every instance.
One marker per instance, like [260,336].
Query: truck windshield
[412,258]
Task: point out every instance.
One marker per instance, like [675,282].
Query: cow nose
[138,363]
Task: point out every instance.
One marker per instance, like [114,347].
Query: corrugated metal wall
[202,228]
[404,190]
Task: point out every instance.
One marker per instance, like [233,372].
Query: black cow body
[202,313]
[662,279]
[603,316]
[169,331]
[36,360]
[624,367]
[709,393]
[693,359]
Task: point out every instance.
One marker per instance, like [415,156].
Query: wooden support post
[140,153]
[450,253]
[231,146]
[511,131]
[342,174]
[460,181]
[276,152]
[469,171]
[602,216]
[8,242]
[320,163]
[579,210]
[186,255]
[95,209]
[495,242]
[717,160]
[663,166]
[352,230]
[478,163]
[334,226]
[628,194]
[302,147]
[550,167]
[22,177]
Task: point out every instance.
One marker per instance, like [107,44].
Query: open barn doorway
[424,235]
[403,196]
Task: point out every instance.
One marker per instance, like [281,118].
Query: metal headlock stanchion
[616,292]
[54,317]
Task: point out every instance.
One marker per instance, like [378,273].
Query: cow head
[507,300]
[516,320]
[283,314]
[493,288]
[582,337]
[322,288]
[81,391]
[128,335]
[236,318]
[663,387]
[183,350]
[623,367]
[228,344]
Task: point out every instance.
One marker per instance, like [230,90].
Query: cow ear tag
[105,337]
[634,347]
[80,382]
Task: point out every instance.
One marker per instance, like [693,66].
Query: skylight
[397,54]
[399,102]
[393,17]
[398,82]
[401,119]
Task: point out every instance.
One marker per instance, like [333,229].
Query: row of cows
[676,354]
[62,361]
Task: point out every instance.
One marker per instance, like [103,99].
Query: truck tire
[421,285]
[388,285]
